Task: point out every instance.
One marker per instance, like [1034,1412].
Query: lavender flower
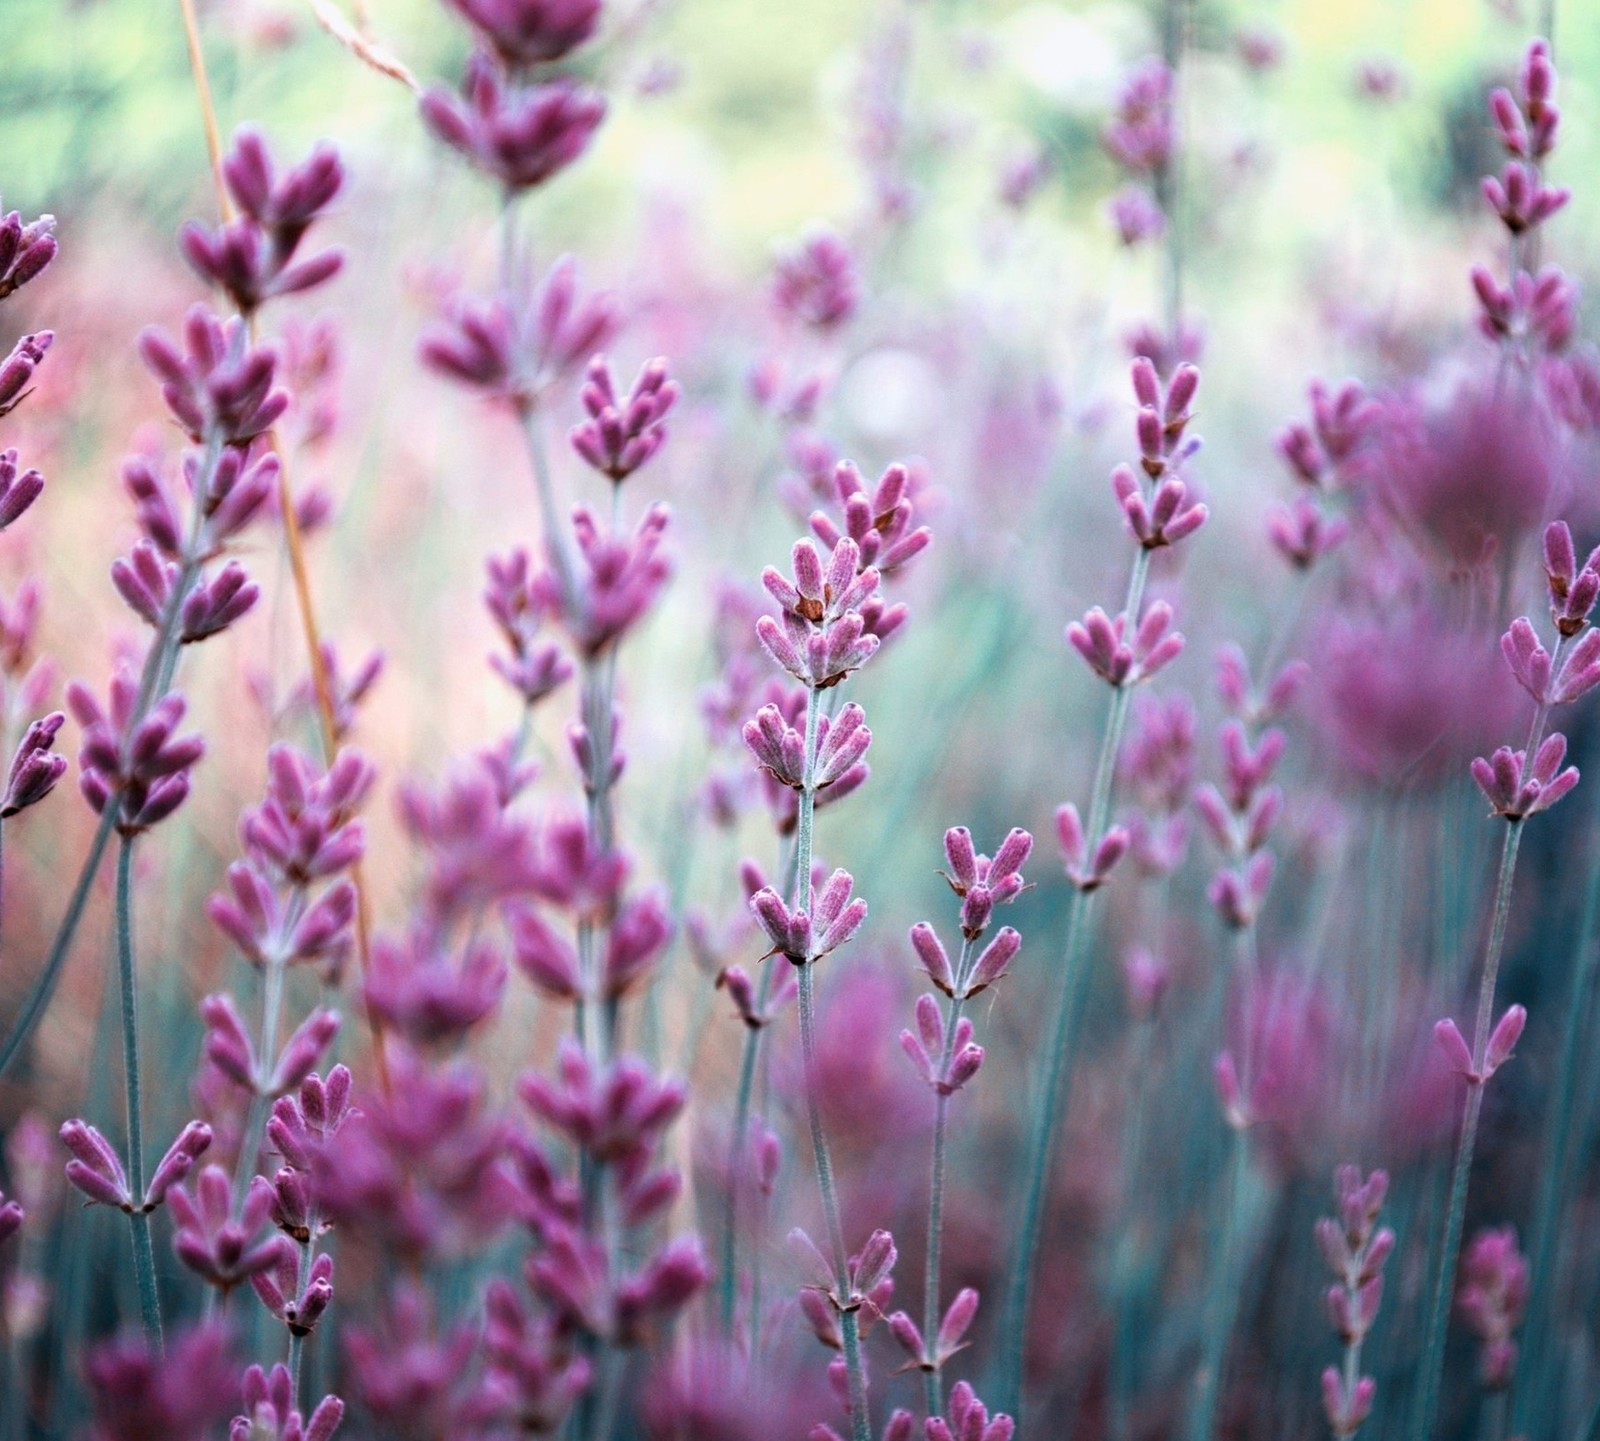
[270,1412]
[531,32]
[520,136]
[138,765]
[35,768]
[815,282]
[25,250]
[252,258]
[218,385]
[139,1393]
[624,432]
[17,369]
[1493,1296]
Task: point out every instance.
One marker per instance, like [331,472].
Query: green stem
[1222,1304]
[932,1380]
[143,1256]
[860,1423]
[1050,1103]
[156,677]
[1444,1288]
[1553,1181]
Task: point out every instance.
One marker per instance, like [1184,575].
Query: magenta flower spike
[623,432]
[26,249]
[878,521]
[1492,1298]
[210,1241]
[1517,790]
[968,1419]
[17,369]
[530,32]
[252,257]
[1121,661]
[815,282]
[138,1391]
[17,491]
[35,768]
[271,1414]
[218,385]
[521,136]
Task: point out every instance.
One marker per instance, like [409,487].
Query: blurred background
[1330,212]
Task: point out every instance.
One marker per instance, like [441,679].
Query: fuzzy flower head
[1517,789]
[816,283]
[253,257]
[1493,1297]
[521,136]
[26,248]
[524,33]
[218,385]
[822,636]
[624,431]
[136,763]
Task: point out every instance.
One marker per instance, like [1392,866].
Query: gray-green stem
[860,1423]
[1050,1102]
[156,677]
[1553,1181]
[1444,1288]
[144,1264]
[932,1379]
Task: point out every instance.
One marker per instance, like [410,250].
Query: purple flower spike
[1099,640]
[95,1168]
[530,32]
[209,1241]
[25,250]
[968,1419]
[1166,518]
[218,385]
[252,257]
[1501,778]
[270,1412]
[1538,311]
[185,1393]
[1088,873]
[623,433]
[526,1360]
[1346,1410]
[993,962]
[1135,215]
[1141,136]
[879,521]
[216,602]
[11,1218]
[521,136]
[1302,533]
[191,1143]
[617,581]
[816,282]
[17,492]
[1500,1048]
[1519,196]
[35,768]
[1493,1297]
[141,767]
[16,370]
[1572,592]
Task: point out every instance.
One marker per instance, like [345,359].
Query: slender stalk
[933,1381]
[860,1423]
[1444,1288]
[1123,1329]
[1050,1102]
[1553,1180]
[1222,1301]
[158,663]
[143,1256]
